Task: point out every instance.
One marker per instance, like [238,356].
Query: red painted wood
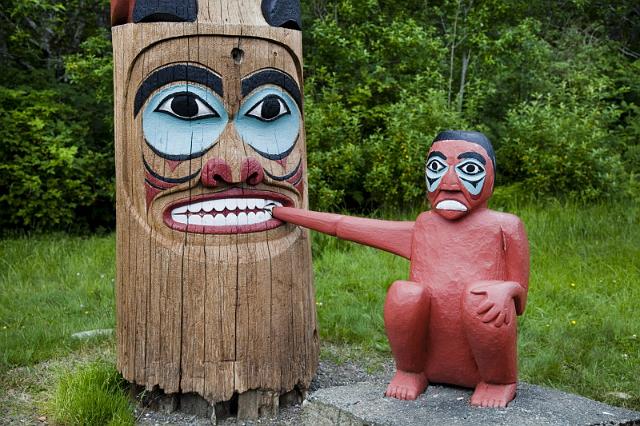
[454,321]
[394,237]
[121,11]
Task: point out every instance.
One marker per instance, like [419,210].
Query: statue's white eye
[471,168]
[186,106]
[435,165]
[270,108]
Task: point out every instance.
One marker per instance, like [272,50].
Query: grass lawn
[580,332]
[51,287]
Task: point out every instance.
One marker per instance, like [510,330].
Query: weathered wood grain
[211,314]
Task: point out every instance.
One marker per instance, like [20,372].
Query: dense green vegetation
[580,332]
[555,84]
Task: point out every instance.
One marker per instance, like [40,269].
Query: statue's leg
[494,347]
[406,317]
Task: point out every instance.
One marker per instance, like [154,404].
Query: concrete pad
[365,404]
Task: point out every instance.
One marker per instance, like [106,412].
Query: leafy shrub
[562,146]
[50,170]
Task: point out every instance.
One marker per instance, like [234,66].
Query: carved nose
[216,171]
[252,171]
[450,180]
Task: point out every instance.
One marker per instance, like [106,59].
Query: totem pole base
[250,405]
[365,404]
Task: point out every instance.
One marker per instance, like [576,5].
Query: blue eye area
[269,121]
[436,169]
[183,121]
[472,175]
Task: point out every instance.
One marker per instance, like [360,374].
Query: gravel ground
[329,374]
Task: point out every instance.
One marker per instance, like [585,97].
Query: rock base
[365,404]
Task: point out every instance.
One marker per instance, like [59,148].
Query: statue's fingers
[491,315]
[507,316]
[478,291]
[499,320]
[484,307]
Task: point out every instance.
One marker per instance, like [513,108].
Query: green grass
[581,331]
[51,287]
[92,395]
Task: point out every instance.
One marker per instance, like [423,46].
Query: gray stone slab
[364,404]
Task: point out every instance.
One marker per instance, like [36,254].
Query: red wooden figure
[454,321]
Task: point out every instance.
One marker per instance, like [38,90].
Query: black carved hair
[282,13]
[469,136]
[165,11]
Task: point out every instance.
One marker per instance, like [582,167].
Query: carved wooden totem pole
[214,296]
[454,320]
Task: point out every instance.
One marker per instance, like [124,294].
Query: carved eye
[270,108]
[471,168]
[186,106]
[435,165]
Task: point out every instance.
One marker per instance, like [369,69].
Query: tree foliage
[554,83]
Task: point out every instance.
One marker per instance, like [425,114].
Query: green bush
[92,395]
[562,147]
[52,176]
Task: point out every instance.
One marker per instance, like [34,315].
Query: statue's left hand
[498,304]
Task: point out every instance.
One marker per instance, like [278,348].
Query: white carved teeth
[451,205]
[240,212]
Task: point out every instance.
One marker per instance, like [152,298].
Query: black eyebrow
[436,154]
[473,155]
[272,76]
[170,74]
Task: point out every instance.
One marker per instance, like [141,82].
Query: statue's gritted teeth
[234,211]
[451,205]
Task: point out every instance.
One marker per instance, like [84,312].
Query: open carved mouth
[234,211]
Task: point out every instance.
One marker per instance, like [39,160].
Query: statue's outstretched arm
[392,236]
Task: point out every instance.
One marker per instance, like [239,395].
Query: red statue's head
[460,173]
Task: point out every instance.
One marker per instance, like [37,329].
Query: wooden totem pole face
[214,296]
[220,138]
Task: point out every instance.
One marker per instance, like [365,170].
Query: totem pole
[453,321]
[214,296]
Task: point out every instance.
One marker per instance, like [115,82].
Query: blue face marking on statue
[269,121]
[183,121]
[436,169]
[472,174]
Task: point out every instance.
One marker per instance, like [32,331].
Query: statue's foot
[493,396]
[405,385]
